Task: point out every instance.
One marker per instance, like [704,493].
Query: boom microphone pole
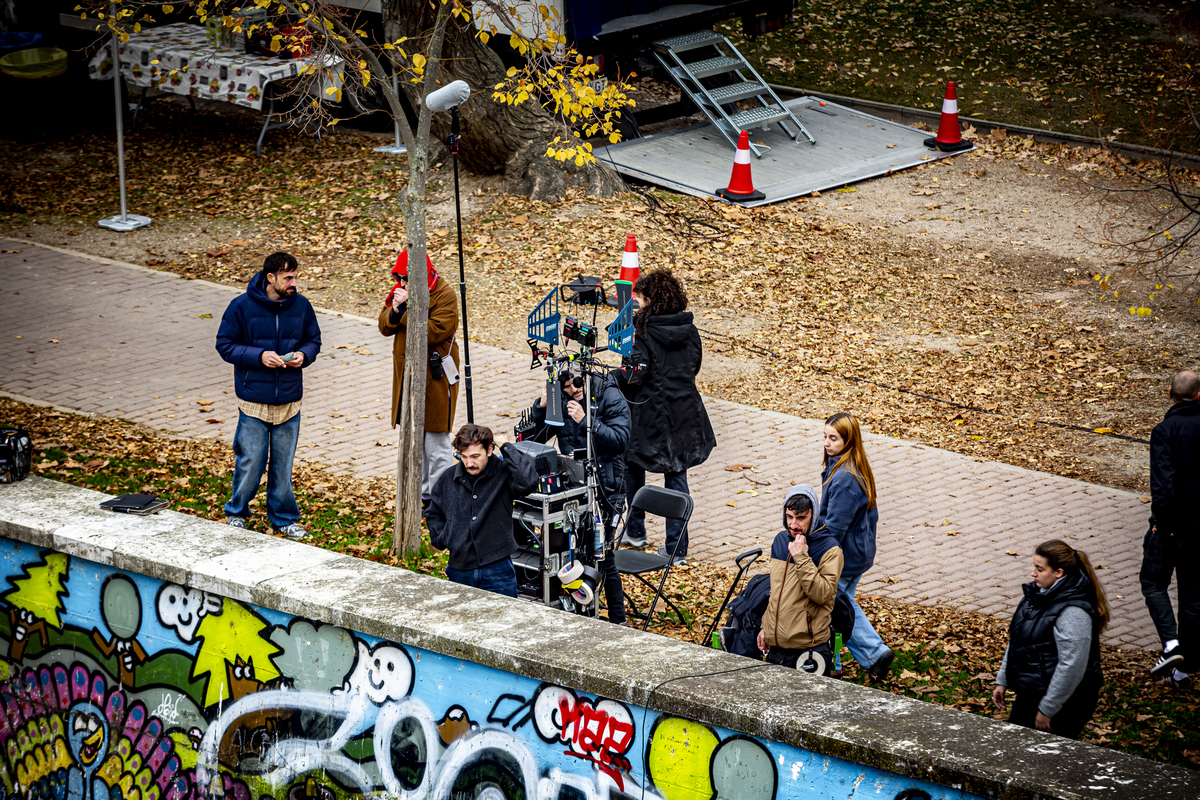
[448,98]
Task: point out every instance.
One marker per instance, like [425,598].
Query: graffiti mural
[117,686]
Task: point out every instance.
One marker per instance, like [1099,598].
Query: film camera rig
[562,550]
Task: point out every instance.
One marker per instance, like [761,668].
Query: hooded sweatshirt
[802,590]
[254,323]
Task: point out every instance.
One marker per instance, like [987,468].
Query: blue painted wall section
[117,686]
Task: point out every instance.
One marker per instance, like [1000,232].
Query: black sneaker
[883,666]
[236,522]
[1177,684]
[635,541]
[1167,661]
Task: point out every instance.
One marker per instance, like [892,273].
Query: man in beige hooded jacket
[805,567]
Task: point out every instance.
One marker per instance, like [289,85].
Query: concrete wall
[169,658]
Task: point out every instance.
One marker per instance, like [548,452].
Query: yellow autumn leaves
[569,86]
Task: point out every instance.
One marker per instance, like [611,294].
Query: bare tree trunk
[411,457]
[407,535]
[495,137]
[491,132]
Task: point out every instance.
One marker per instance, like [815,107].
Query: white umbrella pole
[127,221]
[398,148]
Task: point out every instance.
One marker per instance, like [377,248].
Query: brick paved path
[138,344]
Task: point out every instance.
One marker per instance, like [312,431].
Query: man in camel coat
[441,369]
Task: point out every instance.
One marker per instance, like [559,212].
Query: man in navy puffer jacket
[269,334]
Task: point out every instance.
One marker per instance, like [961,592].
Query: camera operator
[610,433]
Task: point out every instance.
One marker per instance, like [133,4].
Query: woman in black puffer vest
[1053,655]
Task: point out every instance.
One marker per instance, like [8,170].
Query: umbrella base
[124,223]
[392,149]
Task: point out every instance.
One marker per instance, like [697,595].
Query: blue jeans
[865,644]
[635,478]
[499,577]
[252,443]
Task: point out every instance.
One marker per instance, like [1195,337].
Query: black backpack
[740,634]
[16,453]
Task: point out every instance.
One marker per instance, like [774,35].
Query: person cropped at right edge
[669,431]
[1173,541]
[848,511]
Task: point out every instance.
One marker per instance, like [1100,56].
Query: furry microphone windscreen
[449,96]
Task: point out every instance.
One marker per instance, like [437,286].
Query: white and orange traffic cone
[949,136]
[741,184]
[629,272]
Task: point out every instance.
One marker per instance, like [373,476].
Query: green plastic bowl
[37,62]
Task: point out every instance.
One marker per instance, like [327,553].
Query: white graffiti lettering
[168,711]
[495,746]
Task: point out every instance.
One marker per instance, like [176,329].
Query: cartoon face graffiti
[24,622]
[121,609]
[88,735]
[241,678]
[182,609]
[36,600]
[381,673]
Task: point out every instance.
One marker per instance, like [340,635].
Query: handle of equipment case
[749,557]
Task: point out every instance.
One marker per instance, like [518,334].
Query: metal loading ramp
[695,60]
[850,147]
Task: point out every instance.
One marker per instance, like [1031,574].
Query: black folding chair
[660,502]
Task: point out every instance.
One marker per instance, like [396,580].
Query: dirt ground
[969,280]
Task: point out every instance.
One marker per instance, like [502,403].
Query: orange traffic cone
[629,272]
[629,261]
[949,137]
[741,185]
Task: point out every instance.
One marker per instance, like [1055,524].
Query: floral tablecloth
[201,69]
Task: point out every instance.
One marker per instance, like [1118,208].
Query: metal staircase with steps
[697,74]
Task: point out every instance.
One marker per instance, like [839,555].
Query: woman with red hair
[848,510]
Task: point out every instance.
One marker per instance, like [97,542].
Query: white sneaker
[293,531]
[1169,659]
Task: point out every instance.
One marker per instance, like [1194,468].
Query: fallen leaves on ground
[804,314]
